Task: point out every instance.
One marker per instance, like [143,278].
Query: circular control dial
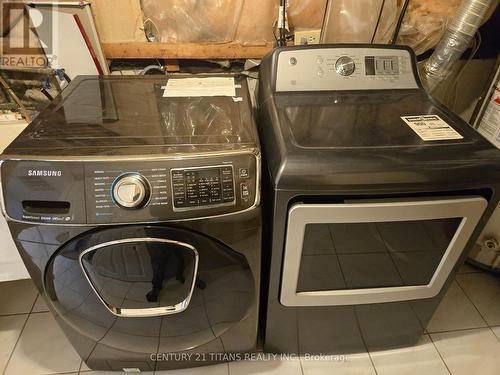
[131,190]
[345,66]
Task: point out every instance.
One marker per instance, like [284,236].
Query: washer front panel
[85,189]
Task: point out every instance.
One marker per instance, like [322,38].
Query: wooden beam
[144,50]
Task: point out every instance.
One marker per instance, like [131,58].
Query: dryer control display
[381,65]
[205,187]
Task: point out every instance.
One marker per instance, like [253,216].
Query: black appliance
[375,193]
[137,215]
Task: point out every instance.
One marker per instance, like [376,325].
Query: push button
[245,193]
[243,172]
[179,202]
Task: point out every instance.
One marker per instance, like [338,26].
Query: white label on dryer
[431,127]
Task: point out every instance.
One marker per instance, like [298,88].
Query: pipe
[456,39]
[23,69]
[13,95]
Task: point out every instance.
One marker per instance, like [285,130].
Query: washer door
[147,276]
[126,287]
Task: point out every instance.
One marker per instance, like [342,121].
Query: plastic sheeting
[258,17]
[185,21]
[425,23]
[355,21]
[198,116]
[251,22]
[220,21]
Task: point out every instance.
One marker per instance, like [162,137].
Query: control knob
[345,66]
[131,190]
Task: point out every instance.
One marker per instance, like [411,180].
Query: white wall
[11,265]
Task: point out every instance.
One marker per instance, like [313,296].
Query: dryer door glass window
[373,255]
[371,252]
[135,277]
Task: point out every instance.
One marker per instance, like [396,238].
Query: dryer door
[363,252]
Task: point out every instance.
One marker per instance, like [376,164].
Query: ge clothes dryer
[375,194]
[136,211]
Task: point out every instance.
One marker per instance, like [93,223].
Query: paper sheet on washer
[196,87]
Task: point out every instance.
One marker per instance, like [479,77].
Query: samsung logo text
[44,173]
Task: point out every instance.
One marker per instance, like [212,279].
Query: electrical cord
[378,20]
[46,93]
[282,37]
[274,33]
[400,22]
[283,41]
[66,77]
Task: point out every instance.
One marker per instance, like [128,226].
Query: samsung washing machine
[375,193]
[134,203]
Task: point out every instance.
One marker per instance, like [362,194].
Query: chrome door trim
[149,312]
[300,214]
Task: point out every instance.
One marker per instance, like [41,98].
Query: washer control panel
[142,191]
[202,187]
[131,191]
[343,68]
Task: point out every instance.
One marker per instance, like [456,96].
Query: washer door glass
[142,276]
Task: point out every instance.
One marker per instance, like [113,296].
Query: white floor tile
[42,349]
[422,358]
[84,367]
[455,312]
[40,305]
[90,372]
[221,369]
[484,291]
[275,367]
[496,331]
[17,297]
[10,329]
[470,352]
[355,364]
[467,268]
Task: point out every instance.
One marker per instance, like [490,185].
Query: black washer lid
[121,111]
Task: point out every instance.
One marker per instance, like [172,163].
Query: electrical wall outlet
[307,36]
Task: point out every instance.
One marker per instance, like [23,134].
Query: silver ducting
[470,15]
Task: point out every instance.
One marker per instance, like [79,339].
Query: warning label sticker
[431,127]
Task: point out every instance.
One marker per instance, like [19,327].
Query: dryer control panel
[329,68]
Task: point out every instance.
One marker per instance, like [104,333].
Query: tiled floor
[462,338]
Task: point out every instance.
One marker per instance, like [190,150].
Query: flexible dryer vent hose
[459,32]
